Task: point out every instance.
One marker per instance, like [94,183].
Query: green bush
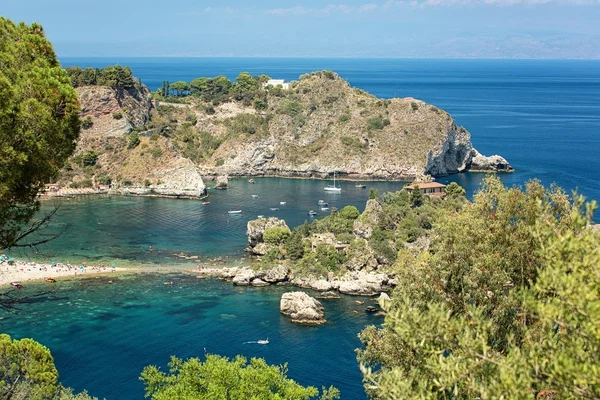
[117,115]
[156,152]
[154,137]
[292,108]
[133,140]
[87,123]
[377,123]
[89,158]
[349,212]
[414,105]
[84,183]
[455,190]
[344,117]
[219,162]
[260,104]
[276,235]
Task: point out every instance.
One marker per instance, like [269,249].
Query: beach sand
[21,271]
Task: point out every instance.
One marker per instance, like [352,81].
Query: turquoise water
[118,229]
[102,335]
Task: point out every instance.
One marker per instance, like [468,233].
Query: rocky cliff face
[153,167]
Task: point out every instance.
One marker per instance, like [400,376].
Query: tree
[245,87]
[180,87]
[133,140]
[220,378]
[455,190]
[502,305]
[276,234]
[416,197]
[39,124]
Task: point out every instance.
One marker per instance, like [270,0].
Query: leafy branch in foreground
[506,304]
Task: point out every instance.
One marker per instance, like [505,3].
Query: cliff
[106,157]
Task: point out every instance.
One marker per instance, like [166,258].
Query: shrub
[455,190]
[156,152]
[344,117]
[349,212]
[191,118]
[133,140]
[147,183]
[89,158]
[117,115]
[154,137]
[219,162]
[377,123]
[276,235]
[414,105]
[260,104]
[84,183]
[87,123]
[292,108]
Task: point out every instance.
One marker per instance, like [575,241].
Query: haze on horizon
[311,28]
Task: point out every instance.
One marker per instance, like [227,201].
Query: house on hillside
[433,189]
[277,82]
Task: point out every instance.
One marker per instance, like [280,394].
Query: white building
[277,82]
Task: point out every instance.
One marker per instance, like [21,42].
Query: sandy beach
[21,271]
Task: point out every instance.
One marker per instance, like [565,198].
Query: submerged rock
[259,282]
[301,308]
[329,295]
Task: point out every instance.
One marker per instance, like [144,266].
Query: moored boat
[360,186]
[205,203]
[312,213]
[17,285]
[333,188]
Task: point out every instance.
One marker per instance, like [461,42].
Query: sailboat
[333,188]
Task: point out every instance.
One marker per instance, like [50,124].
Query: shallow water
[102,335]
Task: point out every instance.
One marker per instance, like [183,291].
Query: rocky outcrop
[181,181]
[222,182]
[481,163]
[255,230]
[278,274]
[362,283]
[302,308]
[115,112]
[361,256]
[243,277]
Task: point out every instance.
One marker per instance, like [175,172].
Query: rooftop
[425,185]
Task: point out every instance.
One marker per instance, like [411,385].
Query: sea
[543,116]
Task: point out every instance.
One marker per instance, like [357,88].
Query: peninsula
[136,142]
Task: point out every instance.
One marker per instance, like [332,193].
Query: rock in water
[222,182]
[257,227]
[302,309]
[481,163]
[244,277]
[277,274]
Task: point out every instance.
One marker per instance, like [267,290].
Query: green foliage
[116,76]
[220,378]
[353,142]
[87,123]
[27,371]
[414,105]
[39,123]
[84,183]
[455,190]
[245,88]
[211,89]
[248,124]
[349,212]
[117,115]
[89,158]
[292,108]
[133,140]
[377,123]
[505,304]
[260,104]
[416,197]
[373,194]
[294,245]
[181,88]
[344,117]
[276,235]
[219,162]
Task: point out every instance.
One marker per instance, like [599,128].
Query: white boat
[324,208]
[261,216]
[333,188]
[283,203]
[263,341]
[274,209]
[234,211]
[255,196]
[322,203]
[312,213]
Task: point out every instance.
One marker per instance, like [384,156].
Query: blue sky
[288,28]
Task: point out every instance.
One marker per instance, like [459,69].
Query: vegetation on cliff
[505,302]
[39,124]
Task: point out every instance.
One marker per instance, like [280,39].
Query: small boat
[322,203]
[359,302]
[324,208]
[234,211]
[333,188]
[261,216]
[274,209]
[50,280]
[360,186]
[255,196]
[263,341]
[283,203]
[312,212]
[371,309]
[251,180]
[16,285]
[205,203]
[169,283]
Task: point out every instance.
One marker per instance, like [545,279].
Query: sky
[311,28]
